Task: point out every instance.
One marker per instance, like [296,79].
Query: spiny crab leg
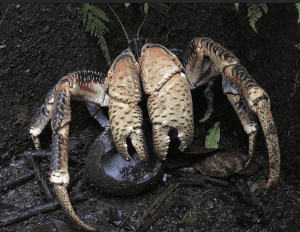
[84,86]
[197,63]
[244,113]
[209,95]
[42,117]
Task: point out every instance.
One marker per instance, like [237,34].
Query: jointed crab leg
[97,113]
[209,95]
[244,113]
[197,65]
[40,120]
[82,85]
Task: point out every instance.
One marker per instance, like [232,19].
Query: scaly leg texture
[61,116]
[83,86]
[200,51]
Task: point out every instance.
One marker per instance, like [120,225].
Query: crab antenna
[141,26]
[119,22]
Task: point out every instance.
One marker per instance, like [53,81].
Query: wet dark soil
[40,43]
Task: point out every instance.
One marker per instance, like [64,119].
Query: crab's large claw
[170,102]
[125,116]
[203,61]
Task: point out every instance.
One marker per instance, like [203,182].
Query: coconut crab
[168,82]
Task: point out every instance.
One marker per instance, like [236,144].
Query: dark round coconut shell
[110,173]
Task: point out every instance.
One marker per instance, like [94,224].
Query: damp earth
[40,43]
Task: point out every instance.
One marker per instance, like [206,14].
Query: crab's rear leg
[201,52]
[242,110]
[259,102]
[209,95]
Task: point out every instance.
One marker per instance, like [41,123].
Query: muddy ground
[40,43]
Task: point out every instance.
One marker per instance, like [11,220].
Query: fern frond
[298,8]
[99,13]
[100,25]
[264,7]
[104,48]
[86,7]
[93,21]
[254,13]
[236,6]
[163,5]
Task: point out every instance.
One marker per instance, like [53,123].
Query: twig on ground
[45,208]
[17,181]
[5,13]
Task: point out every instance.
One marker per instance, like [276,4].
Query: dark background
[44,42]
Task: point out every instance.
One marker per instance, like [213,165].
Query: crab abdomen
[170,102]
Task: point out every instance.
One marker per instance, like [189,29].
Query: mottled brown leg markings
[227,64]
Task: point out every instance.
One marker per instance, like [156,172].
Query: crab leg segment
[259,102]
[125,116]
[83,86]
[170,101]
[257,99]
[244,113]
[86,86]
[209,95]
[42,117]
[61,116]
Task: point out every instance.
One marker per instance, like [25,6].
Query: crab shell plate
[110,173]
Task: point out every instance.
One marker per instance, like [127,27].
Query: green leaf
[163,5]
[86,7]
[298,8]
[264,7]
[254,13]
[297,46]
[213,138]
[236,6]
[127,4]
[93,20]
[146,7]
[252,24]
[99,13]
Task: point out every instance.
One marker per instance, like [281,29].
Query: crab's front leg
[42,117]
[60,118]
[241,88]
[170,104]
[84,86]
